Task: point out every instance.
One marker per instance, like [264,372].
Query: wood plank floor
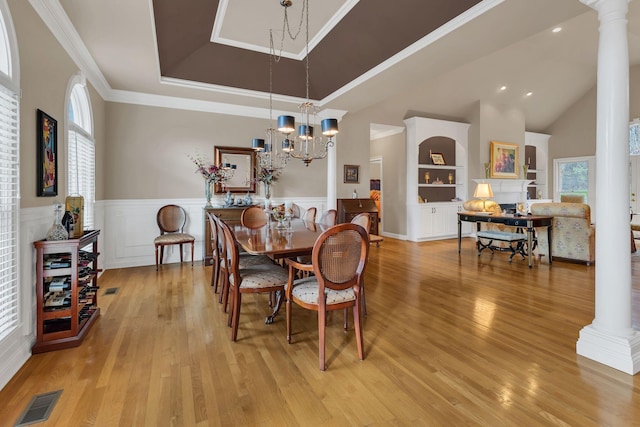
[450,341]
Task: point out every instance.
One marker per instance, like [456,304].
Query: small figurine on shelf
[450,178]
[426,177]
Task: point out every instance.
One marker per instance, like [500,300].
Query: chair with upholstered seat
[310,215]
[572,198]
[363,219]
[253,217]
[339,258]
[171,220]
[329,217]
[258,278]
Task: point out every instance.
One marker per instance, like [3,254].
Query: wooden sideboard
[349,208]
[227,214]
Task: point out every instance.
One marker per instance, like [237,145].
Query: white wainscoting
[130,227]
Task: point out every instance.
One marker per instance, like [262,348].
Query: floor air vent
[111,291]
[39,408]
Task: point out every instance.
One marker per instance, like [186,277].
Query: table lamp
[483,192]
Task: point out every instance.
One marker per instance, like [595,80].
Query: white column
[611,339]
[332,189]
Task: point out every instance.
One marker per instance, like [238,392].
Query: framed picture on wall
[47,152]
[352,174]
[504,160]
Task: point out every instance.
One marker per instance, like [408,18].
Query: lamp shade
[286,124]
[329,127]
[483,191]
[305,132]
[257,144]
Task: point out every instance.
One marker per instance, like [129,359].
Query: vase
[57,230]
[267,194]
[486,170]
[525,170]
[208,191]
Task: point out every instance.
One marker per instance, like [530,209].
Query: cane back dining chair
[339,258]
[253,217]
[363,219]
[328,217]
[258,278]
[171,220]
[310,215]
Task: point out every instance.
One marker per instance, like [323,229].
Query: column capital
[602,6]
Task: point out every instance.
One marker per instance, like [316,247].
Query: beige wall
[392,149]
[353,149]
[45,71]
[148,149]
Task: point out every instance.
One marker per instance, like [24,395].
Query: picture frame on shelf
[47,152]
[352,174]
[438,159]
[504,160]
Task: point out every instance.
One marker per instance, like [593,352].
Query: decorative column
[610,339]
[332,186]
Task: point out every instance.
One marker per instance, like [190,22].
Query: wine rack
[66,291]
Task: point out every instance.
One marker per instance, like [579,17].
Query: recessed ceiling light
[503,87]
[556,30]
[528,94]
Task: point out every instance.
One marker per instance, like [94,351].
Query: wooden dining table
[296,240]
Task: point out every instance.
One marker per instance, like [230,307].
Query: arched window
[9,175]
[81,147]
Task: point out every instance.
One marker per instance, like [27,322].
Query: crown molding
[53,15]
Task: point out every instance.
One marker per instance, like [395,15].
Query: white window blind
[81,163]
[9,205]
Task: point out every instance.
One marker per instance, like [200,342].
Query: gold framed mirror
[243,179]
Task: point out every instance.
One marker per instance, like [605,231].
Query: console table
[232,213]
[527,221]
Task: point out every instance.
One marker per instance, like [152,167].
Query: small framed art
[47,152]
[352,174]
[437,159]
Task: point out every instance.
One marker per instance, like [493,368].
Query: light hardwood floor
[449,341]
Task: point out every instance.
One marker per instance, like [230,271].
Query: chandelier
[267,154]
[303,145]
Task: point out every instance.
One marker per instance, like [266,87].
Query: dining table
[290,240]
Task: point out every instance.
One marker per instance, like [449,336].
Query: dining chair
[253,217]
[329,217]
[363,219]
[215,251]
[171,220]
[259,278]
[310,215]
[339,258]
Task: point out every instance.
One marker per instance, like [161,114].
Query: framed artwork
[47,140]
[504,160]
[352,174]
[437,159]
[243,179]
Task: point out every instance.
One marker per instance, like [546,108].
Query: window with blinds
[9,205]
[81,164]
[81,149]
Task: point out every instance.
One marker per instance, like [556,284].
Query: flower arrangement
[267,176]
[280,213]
[209,172]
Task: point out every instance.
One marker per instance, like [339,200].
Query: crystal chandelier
[267,154]
[305,145]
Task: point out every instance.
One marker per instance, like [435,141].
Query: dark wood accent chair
[171,220]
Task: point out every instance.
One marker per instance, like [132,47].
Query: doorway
[376,187]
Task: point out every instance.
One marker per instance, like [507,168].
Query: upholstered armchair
[573,235]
